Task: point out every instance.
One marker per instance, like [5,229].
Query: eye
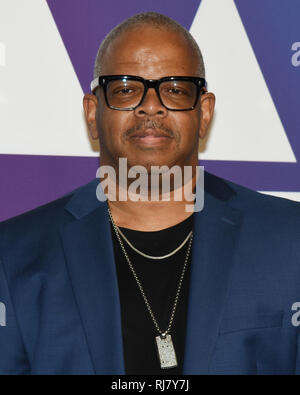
[124,91]
[174,91]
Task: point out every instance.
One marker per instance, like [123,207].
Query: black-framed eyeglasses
[127,92]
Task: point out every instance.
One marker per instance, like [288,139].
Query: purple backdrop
[272,26]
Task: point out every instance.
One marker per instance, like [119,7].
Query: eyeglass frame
[103,81]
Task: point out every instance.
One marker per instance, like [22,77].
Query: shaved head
[145,20]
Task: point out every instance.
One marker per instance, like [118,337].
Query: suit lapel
[90,261]
[215,232]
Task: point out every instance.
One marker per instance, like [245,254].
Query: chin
[148,163]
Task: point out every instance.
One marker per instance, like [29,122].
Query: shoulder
[41,222]
[257,208]
[243,197]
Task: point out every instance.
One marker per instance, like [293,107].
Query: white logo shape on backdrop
[41,98]
[2,55]
[246,126]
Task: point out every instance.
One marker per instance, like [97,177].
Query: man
[147,287]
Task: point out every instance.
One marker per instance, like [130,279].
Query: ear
[207,110]
[90,104]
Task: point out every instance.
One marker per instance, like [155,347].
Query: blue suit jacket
[59,285]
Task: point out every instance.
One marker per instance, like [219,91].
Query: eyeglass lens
[174,94]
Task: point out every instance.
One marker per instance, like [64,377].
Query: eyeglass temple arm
[94,84]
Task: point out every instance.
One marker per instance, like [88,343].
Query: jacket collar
[84,199]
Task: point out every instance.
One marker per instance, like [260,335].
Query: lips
[150,133]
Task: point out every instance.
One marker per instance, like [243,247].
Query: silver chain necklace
[165,346]
[151,256]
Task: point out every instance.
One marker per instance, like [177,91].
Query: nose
[151,106]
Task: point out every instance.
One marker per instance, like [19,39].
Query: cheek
[187,126]
[112,124]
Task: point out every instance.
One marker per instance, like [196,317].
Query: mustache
[149,124]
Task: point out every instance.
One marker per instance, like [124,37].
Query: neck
[152,215]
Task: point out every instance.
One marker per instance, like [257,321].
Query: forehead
[150,53]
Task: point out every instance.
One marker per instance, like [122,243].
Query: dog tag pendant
[166,351]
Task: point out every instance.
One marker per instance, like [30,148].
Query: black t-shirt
[159,279]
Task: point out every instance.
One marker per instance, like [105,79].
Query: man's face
[171,136]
